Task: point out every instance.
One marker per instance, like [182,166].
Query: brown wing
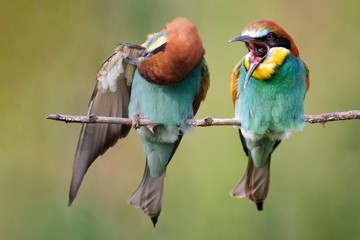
[110,98]
[307,77]
[234,81]
[205,84]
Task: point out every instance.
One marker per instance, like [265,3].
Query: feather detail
[307,78]
[234,81]
[111,98]
[113,68]
[255,183]
[205,84]
[148,196]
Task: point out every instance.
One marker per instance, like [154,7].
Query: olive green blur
[50,52]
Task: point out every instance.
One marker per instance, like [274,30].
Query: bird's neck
[274,58]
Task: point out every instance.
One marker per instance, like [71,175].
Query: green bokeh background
[49,54]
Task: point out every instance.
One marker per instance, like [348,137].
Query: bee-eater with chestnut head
[163,80]
[268,88]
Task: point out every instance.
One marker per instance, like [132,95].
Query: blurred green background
[49,55]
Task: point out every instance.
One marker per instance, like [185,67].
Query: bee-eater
[163,80]
[268,88]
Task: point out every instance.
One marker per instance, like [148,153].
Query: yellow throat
[275,57]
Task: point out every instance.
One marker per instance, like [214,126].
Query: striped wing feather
[110,98]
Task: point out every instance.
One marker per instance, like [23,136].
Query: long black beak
[132,61]
[253,65]
[244,38]
[251,69]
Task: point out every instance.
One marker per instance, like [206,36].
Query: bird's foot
[136,122]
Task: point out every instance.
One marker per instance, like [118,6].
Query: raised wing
[110,98]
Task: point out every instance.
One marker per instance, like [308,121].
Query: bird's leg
[136,122]
[179,128]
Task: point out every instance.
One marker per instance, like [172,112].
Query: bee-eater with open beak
[268,88]
[163,80]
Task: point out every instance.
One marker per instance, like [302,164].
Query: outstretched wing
[110,98]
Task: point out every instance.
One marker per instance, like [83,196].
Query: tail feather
[255,183]
[148,196]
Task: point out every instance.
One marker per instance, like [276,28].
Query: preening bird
[163,80]
[268,88]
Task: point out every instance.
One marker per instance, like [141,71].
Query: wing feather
[110,98]
[307,77]
[234,81]
[205,84]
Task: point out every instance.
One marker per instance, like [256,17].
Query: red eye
[270,36]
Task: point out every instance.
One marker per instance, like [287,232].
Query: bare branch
[330,117]
[206,122]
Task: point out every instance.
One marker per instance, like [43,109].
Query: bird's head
[260,37]
[172,53]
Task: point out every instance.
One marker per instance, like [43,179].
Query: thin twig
[330,117]
[206,122]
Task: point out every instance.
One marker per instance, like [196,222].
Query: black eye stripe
[154,51]
[272,40]
[281,42]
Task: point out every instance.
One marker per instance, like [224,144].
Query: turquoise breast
[274,105]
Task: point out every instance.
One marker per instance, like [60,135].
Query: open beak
[251,69]
[253,45]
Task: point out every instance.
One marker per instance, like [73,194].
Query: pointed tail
[148,196]
[255,183]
